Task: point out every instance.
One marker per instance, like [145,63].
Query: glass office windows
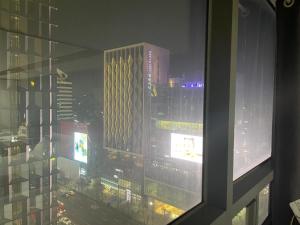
[254,85]
[15,23]
[33,11]
[240,218]
[15,6]
[17,208]
[14,42]
[263,204]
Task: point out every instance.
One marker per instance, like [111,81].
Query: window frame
[223,198]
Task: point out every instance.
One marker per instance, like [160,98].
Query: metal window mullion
[220,101]
[252,213]
[221,61]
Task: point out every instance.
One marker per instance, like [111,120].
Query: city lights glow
[196,84]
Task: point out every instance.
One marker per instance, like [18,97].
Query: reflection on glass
[240,218]
[254,85]
[263,204]
[93,136]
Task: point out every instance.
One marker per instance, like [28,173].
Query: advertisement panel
[187,147]
[80,147]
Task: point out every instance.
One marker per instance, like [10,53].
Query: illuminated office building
[132,74]
[64,114]
[27,118]
[173,169]
[64,96]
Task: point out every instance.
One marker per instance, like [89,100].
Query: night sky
[174,25]
[93,26]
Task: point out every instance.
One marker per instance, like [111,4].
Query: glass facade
[109,133]
[254,85]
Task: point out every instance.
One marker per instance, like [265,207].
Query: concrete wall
[286,185]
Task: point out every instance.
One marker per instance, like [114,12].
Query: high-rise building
[64,96]
[131,75]
[64,113]
[173,169]
[27,118]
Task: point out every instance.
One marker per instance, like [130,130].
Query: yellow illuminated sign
[124,183]
[164,208]
[176,125]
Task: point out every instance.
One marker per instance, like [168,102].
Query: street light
[152,213]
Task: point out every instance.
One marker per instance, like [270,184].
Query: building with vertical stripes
[131,74]
[64,96]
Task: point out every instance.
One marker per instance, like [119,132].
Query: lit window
[14,41]
[14,60]
[15,23]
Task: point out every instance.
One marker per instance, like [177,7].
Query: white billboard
[187,147]
[80,147]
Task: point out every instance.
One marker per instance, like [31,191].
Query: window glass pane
[101,111]
[240,218]
[263,204]
[254,85]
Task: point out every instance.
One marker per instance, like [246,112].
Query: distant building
[64,96]
[131,76]
[131,73]
[173,165]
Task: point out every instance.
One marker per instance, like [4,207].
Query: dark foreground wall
[286,186]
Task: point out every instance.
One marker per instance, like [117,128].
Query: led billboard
[80,147]
[187,147]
